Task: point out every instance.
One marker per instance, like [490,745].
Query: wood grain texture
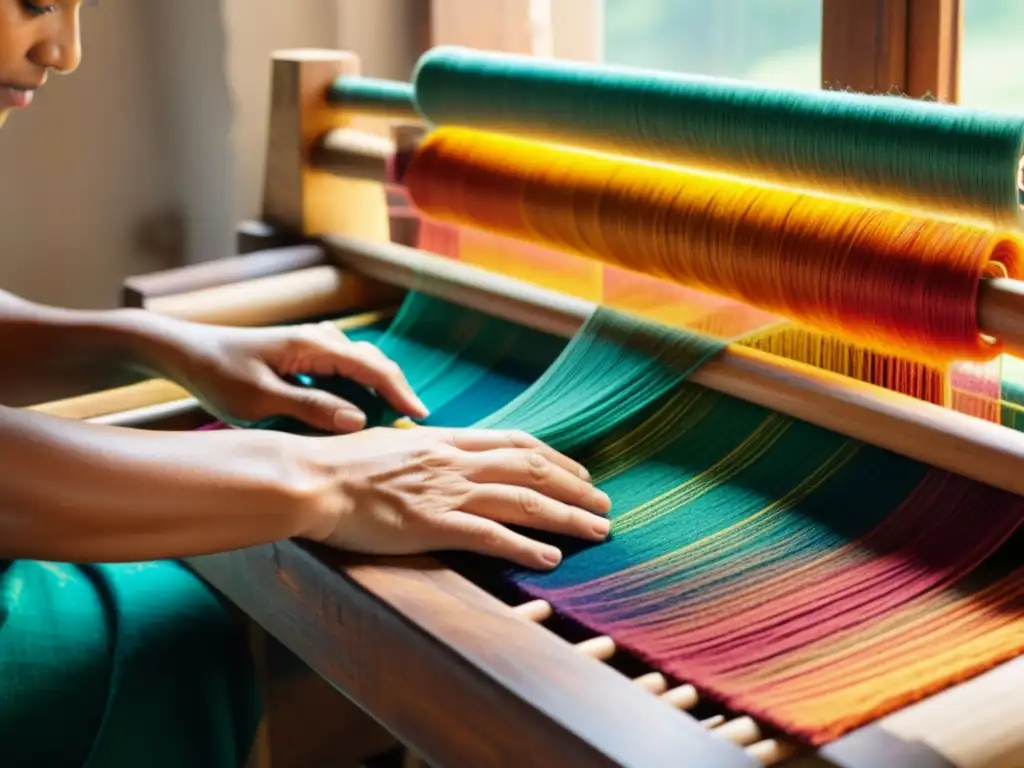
[907,47]
[139,289]
[934,45]
[450,670]
[863,45]
[110,401]
[297,197]
[275,299]
[307,723]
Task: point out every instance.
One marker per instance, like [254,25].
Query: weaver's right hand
[394,491]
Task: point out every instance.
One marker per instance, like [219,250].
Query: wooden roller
[275,299]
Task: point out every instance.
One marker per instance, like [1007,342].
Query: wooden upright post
[905,47]
[297,197]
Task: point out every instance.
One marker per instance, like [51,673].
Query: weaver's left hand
[239,373]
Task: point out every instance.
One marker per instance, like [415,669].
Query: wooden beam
[450,670]
[863,45]
[298,198]
[934,35]
[908,47]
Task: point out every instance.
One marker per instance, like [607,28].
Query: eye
[37,9]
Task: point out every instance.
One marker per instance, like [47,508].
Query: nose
[61,48]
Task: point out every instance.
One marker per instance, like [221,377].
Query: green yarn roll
[898,151]
[373,96]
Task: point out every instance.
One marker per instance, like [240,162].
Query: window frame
[910,47]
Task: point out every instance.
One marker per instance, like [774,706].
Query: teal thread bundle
[640,362]
[897,151]
[463,363]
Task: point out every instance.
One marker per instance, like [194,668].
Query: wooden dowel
[601,648]
[743,731]
[922,431]
[144,417]
[354,154]
[407,137]
[138,289]
[681,697]
[127,398]
[291,297]
[771,751]
[1001,313]
[653,682]
[535,611]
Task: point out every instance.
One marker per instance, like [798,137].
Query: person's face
[36,37]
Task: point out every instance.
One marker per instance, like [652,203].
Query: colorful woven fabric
[808,579]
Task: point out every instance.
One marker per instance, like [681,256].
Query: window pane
[990,67]
[776,41]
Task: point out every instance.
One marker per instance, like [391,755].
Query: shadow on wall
[166,117]
[85,165]
[140,134]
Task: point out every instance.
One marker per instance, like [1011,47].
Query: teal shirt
[110,666]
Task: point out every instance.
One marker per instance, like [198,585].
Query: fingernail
[601,500]
[551,556]
[420,407]
[601,526]
[349,418]
[585,474]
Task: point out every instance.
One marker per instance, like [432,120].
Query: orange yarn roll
[889,279]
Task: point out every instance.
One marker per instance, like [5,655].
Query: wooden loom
[453,671]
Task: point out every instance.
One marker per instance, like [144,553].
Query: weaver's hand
[238,373]
[392,492]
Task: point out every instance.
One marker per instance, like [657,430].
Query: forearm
[38,341]
[83,493]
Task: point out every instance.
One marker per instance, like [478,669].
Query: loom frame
[383,610]
[378,611]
